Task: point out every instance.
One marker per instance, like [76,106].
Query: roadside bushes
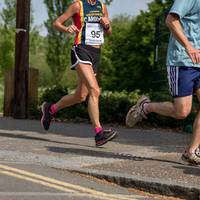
[113,105]
[53,94]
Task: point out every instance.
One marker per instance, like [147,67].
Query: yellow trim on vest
[82,21]
[103,7]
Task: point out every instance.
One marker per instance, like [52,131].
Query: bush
[52,94]
[113,105]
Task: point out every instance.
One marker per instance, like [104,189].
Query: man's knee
[182,114]
[182,107]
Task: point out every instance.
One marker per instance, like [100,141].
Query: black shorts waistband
[89,48]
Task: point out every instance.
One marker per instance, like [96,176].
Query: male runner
[183,61]
[90,23]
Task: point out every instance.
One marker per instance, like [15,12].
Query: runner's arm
[173,23]
[59,22]
[106,22]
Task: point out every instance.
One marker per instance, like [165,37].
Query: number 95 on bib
[94,34]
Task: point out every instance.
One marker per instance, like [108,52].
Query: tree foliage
[108,2]
[129,53]
[7,30]
[8,13]
[58,50]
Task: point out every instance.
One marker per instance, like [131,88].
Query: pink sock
[53,109]
[98,130]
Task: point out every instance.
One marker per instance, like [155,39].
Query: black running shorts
[85,54]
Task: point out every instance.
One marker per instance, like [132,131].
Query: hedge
[113,107]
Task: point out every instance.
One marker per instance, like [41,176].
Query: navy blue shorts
[183,81]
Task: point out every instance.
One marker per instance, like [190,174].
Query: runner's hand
[194,55]
[105,22]
[72,29]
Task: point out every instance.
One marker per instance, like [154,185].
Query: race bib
[94,34]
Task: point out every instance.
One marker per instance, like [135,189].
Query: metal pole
[20,110]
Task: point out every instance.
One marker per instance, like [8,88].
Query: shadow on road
[191,170]
[25,137]
[104,154]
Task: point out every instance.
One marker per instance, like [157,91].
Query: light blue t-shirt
[189,13]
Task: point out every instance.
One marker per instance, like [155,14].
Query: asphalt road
[35,166]
[20,181]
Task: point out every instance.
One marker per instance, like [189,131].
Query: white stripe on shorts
[173,76]
[78,59]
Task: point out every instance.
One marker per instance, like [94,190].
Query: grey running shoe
[192,158]
[136,112]
[198,152]
[46,115]
[105,136]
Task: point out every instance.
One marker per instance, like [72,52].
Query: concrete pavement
[138,158]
